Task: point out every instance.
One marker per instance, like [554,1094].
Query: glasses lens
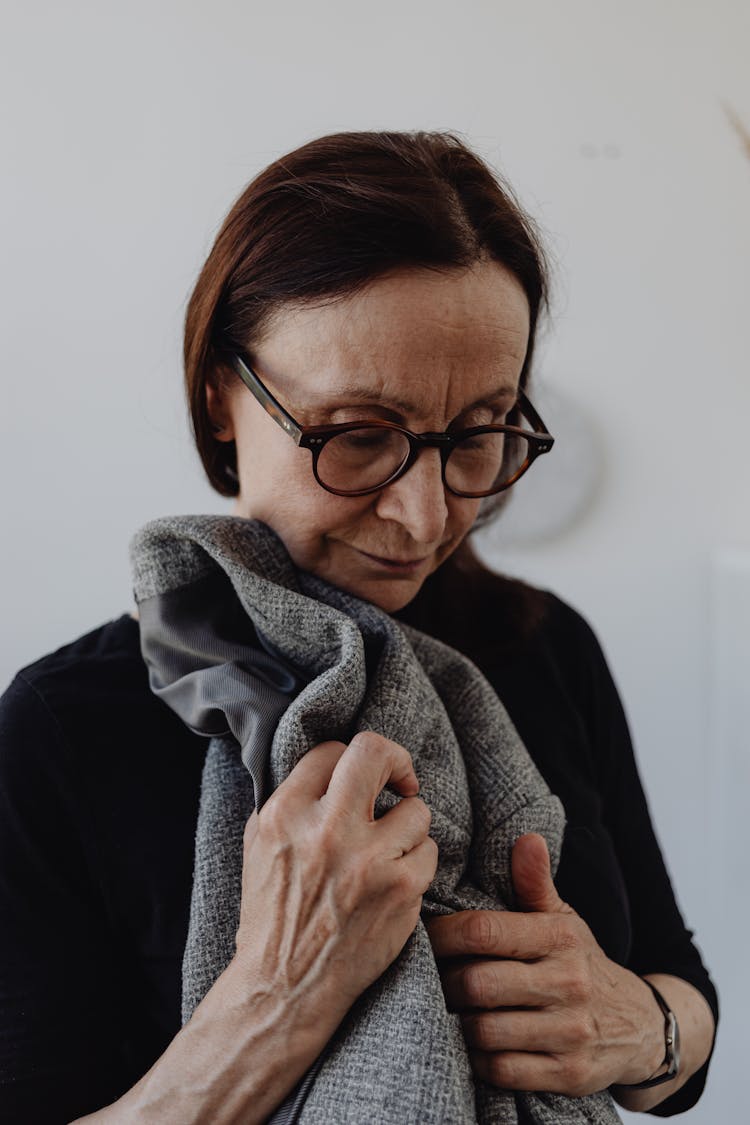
[485,463]
[363,458]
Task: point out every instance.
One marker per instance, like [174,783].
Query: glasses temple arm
[270,404]
[532,415]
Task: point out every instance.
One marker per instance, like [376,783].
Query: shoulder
[84,705]
[69,686]
[494,618]
[550,652]
[509,612]
[536,631]
[565,637]
[554,654]
[51,725]
[99,786]
[94,769]
[105,660]
[54,705]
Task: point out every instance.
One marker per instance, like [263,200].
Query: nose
[417,500]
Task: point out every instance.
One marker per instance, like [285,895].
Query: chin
[388,596]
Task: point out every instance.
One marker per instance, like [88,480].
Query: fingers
[405,826]
[512,1070]
[345,781]
[421,864]
[310,778]
[369,763]
[543,1032]
[496,984]
[496,933]
[532,876]
[522,1070]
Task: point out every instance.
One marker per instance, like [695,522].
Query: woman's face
[420,348]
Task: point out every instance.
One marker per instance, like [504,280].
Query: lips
[395,564]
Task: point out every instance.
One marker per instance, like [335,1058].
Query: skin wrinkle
[365,340]
[282,1031]
[449,339]
[356,399]
[421,384]
[304,941]
[446,339]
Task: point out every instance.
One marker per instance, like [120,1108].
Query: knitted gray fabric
[399,1057]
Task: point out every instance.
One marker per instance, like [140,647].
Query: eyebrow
[349,393]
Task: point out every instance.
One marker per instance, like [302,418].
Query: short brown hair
[328,219]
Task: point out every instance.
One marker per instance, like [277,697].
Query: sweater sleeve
[661,942]
[61,1051]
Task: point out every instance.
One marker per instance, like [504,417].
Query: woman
[385,279]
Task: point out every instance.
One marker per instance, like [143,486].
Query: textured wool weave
[270,661]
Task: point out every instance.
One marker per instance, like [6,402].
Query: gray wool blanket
[270,661]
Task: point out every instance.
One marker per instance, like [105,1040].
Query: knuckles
[405,887]
[388,753]
[479,932]
[568,933]
[478,985]
[420,813]
[502,1071]
[273,819]
[574,1076]
[360,863]
[250,831]
[579,1032]
[478,1032]
[435,853]
[370,742]
[579,987]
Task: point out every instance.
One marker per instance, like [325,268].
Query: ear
[218,411]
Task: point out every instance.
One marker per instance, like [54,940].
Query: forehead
[431,340]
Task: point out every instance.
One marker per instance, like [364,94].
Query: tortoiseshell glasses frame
[538,439]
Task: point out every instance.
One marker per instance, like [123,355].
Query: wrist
[646,1032]
[697,1028]
[658,1060]
[669,1066]
[294,1023]
[240,1054]
[310,1008]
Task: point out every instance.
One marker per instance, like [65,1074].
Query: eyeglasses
[356,458]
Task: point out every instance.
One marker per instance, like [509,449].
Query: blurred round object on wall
[561,488]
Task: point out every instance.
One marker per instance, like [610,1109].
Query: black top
[99,786]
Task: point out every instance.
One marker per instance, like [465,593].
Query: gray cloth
[399,1057]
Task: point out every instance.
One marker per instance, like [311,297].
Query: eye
[362,458]
[364,439]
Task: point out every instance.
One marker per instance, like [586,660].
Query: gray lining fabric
[269,661]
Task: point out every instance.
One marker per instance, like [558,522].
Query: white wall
[127,131]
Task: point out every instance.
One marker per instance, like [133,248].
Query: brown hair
[328,219]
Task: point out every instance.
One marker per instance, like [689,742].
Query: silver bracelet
[671,1046]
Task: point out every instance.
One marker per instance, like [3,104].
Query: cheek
[274,474]
[316,531]
[461,515]
[284,500]
[307,519]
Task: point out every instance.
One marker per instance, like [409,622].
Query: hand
[329,894]
[329,897]
[543,1008]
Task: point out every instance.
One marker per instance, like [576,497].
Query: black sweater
[99,787]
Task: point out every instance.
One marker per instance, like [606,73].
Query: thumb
[532,876]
